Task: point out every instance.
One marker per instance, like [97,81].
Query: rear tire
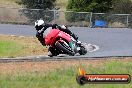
[62,47]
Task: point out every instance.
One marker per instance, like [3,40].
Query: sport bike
[63,43]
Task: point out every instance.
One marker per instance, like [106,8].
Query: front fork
[73,46]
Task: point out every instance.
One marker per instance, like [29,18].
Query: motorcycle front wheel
[82,50]
[64,48]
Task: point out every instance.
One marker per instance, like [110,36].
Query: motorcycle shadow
[65,55]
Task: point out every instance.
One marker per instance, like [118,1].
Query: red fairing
[55,33]
[64,35]
[51,36]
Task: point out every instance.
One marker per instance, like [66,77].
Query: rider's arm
[62,29]
[68,32]
[40,38]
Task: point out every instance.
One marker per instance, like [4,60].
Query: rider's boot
[52,52]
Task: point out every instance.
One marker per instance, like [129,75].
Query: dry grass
[60,74]
[8,15]
[12,3]
[62,4]
[117,24]
[31,45]
[9,3]
[47,66]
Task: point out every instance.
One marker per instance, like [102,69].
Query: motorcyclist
[41,26]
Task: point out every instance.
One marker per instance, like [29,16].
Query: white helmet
[39,23]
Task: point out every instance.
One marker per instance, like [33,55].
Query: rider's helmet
[39,24]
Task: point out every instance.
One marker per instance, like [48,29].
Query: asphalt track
[112,41]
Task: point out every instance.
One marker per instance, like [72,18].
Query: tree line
[96,6]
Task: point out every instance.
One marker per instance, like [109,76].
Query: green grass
[65,78]
[10,48]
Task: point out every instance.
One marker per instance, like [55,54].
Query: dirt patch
[46,66]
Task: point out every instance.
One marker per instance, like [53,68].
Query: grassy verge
[14,46]
[64,77]
[10,48]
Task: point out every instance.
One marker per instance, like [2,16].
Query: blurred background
[90,13]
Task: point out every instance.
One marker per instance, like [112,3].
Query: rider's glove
[40,38]
[74,36]
[54,26]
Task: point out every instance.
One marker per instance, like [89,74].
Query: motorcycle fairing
[52,35]
[64,36]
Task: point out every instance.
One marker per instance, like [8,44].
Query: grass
[65,77]
[9,3]
[62,4]
[10,48]
[14,46]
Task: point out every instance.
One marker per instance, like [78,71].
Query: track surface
[112,41]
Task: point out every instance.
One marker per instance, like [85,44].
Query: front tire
[63,47]
[82,50]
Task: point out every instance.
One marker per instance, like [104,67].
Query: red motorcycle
[63,43]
